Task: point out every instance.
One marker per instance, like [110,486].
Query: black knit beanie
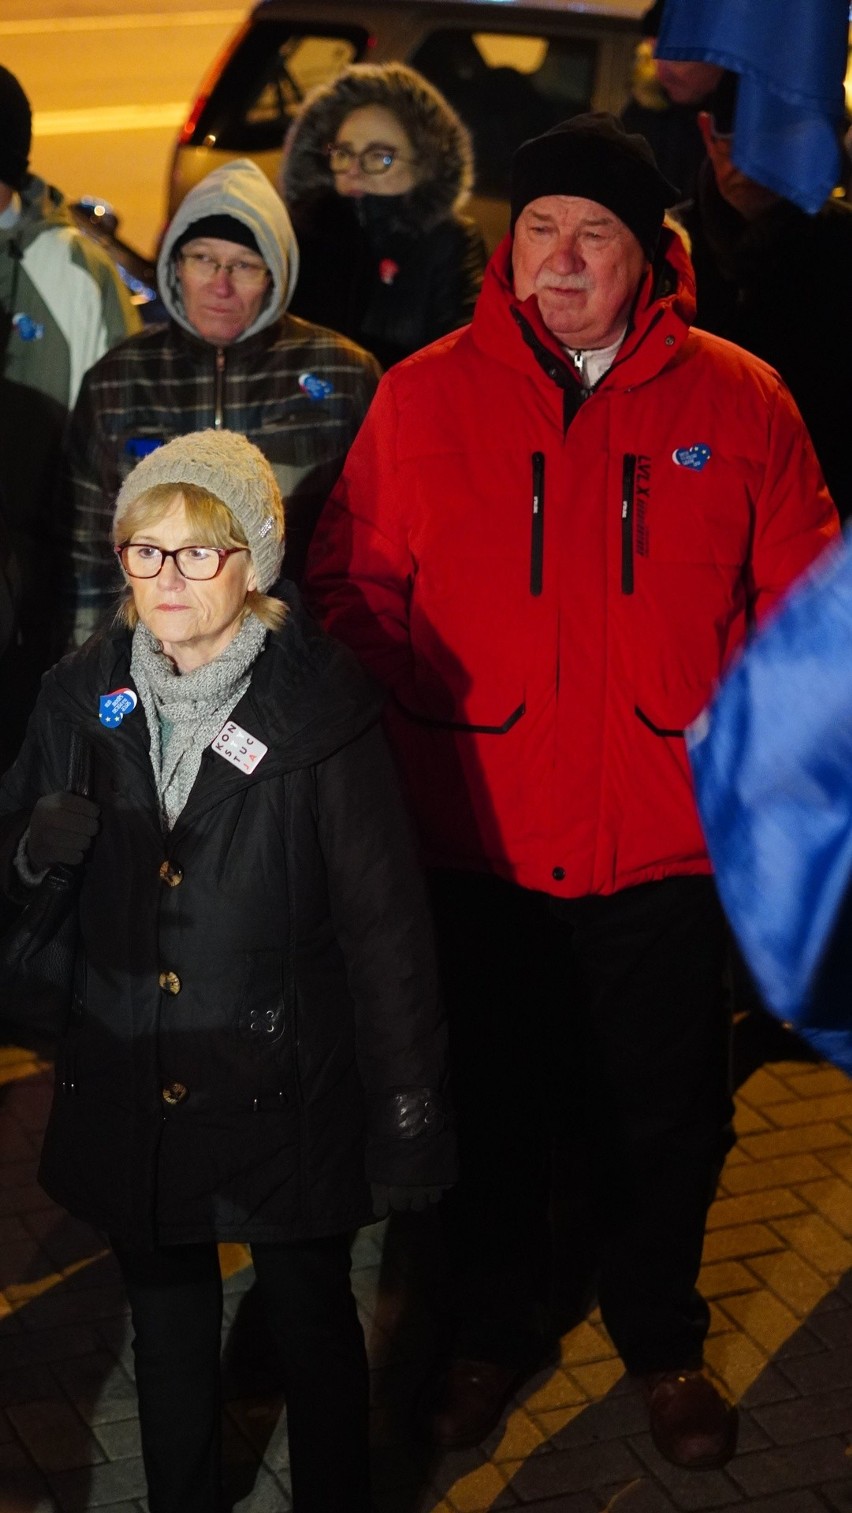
[226,228]
[593,157]
[652,20]
[16,130]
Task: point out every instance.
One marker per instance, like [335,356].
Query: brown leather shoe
[463,1401]
[692,1424]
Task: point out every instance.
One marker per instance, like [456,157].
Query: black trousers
[175,1297]
[598,1030]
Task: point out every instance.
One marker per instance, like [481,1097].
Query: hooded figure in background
[229,357]
[376,167]
[62,305]
[754,252]
[665,100]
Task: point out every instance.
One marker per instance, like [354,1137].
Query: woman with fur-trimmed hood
[376,166]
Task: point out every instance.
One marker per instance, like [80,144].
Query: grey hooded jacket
[298,391]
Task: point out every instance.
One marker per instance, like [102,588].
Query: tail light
[210,79]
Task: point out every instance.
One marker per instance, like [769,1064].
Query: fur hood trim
[440,140]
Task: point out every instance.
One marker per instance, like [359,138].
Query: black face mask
[376,212]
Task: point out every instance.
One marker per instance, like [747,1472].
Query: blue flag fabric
[791,56]
[772,763]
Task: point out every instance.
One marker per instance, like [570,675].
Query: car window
[265,81]
[507,86]
[300,63]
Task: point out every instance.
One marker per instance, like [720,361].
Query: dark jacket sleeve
[382,921]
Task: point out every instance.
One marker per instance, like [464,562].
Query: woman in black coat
[376,167]
[255,1050]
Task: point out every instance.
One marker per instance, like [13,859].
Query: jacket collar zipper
[219,391]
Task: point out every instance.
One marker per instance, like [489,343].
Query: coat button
[171,875]
[174,1093]
[558,874]
[169,982]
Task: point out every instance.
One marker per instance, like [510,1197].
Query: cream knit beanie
[236,472]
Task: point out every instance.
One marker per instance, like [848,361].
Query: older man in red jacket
[553,530]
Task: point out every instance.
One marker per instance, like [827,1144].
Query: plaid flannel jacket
[298,391]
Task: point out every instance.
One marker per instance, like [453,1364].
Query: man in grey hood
[229,357]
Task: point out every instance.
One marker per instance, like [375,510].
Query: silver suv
[511,68]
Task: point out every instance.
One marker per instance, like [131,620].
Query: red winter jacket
[550,584]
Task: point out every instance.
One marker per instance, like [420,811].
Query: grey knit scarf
[192,706]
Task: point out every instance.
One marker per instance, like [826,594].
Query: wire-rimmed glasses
[203,267]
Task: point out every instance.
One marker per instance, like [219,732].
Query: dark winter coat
[391,272]
[255,1030]
[388,286]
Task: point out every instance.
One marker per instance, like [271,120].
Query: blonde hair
[212,522]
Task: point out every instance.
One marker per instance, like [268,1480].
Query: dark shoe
[692,1424]
[463,1400]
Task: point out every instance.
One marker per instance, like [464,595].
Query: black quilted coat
[255,1030]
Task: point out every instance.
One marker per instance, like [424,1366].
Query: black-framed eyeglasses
[140,560]
[371,160]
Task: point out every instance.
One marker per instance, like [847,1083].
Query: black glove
[402,1199]
[62,827]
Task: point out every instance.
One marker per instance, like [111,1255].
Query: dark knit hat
[593,157]
[16,130]
[227,228]
[652,20]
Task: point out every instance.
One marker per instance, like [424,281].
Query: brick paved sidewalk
[778,1269]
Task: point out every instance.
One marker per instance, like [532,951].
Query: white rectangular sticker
[238,747]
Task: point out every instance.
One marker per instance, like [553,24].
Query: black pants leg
[312,1314]
[615,1007]
[175,1298]
[490,936]
[654,1035]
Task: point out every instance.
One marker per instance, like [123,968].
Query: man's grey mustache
[569,285]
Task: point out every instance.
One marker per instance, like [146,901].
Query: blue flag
[791,58]
[772,763]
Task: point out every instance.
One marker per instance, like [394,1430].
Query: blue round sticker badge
[695,457]
[314,386]
[112,707]
[27,328]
